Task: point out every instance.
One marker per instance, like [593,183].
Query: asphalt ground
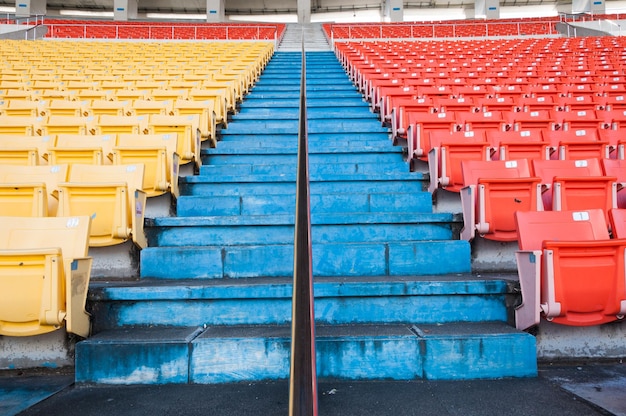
[559,389]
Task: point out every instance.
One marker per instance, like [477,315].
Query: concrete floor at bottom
[581,388]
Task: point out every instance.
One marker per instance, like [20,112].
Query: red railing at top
[104,29]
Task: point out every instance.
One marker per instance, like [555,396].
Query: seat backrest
[76,148]
[440,138]
[147,107]
[109,124]
[615,167]
[50,175]
[28,126]
[535,227]
[548,169]
[473,170]
[132,175]
[617,220]
[71,234]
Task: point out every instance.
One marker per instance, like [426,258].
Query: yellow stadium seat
[147,107]
[159,157]
[28,143]
[30,190]
[23,108]
[16,125]
[219,99]
[111,108]
[149,84]
[57,95]
[92,94]
[206,112]
[130,94]
[115,85]
[57,107]
[12,94]
[107,124]
[80,84]
[44,275]
[188,129]
[236,81]
[169,95]
[86,149]
[111,195]
[15,151]
[67,125]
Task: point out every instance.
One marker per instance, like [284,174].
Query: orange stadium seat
[559,252]
[575,185]
[448,150]
[493,192]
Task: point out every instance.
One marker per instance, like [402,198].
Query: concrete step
[314,101]
[254,353]
[314,113]
[330,259]
[326,228]
[319,168]
[405,202]
[267,301]
[272,184]
[317,141]
[272,155]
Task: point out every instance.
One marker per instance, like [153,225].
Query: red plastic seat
[420,124]
[617,221]
[575,185]
[617,168]
[534,119]
[519,144]
[493,192]
[578,144]
[401,109]
[491,120]
[448,150]
[569,270]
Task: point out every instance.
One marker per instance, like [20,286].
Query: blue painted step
[267,301]
[407,202]
[418,258]
[316,141]
[234,354]
[271,184]
[290,113]
[318,168]
[278,229]
[271,155]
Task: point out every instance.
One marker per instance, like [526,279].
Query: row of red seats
[441,29]
[492,191]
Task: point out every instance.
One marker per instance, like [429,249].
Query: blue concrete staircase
[394,296]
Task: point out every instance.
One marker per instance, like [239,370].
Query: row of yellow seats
[233,87]
[45,273]
[242,78]
[112,57]
[110,195]
[81,65]
[157,152]
[207,107]
[187,127]
[118,51]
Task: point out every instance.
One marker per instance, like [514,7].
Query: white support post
[215,11]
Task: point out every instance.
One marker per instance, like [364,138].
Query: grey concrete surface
[560,389]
